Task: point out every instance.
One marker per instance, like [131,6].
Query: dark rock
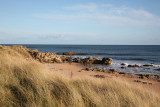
[148,76]
[69,53]
[137,81]
[99,76]
[77,60]
[89,61]
[130,66]
[122,73]
[136,65]
[148,65]
[123,67]
[123,64]
[66,59]
[150,83]
[87,69]
[146,68]
[133,65]
[106,61]
[157,69]
[114,71]
[144,82]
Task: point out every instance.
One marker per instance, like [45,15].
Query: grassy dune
[27,83]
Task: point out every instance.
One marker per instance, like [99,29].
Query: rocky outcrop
[96,60]
[45,56]
[66,59]
[89,61]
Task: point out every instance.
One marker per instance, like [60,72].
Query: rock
[123,64]
[114,71]
[77,60]
[136,65]
[99,76]
[122,73]
[150,83]
[69,53]
[35,50]
[123,67]
[89,61]
[148,65]
[45,57]
[87,69]
[66,59]
[144,82]
[157,69]
[133,65]
[106,61]
[137,81]
[148,76]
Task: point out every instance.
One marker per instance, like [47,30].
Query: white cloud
[106,14]
[89,7]
[141,14]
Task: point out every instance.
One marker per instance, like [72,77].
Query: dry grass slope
[27,83]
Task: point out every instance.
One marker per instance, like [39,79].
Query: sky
[99,22]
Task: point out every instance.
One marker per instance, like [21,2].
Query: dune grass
[27,83]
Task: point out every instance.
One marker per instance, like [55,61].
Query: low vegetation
[25,82]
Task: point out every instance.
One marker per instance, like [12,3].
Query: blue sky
[109,22]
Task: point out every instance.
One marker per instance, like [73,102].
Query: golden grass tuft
[27,83]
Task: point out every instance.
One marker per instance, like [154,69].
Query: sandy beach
[74,71]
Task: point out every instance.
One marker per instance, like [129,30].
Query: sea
[128,54]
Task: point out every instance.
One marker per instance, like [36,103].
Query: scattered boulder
[89,61]
[144,82]
[133,65]
[137,81]
[123,64]
[123,67]
[157,69]
[77,60]
[113,71]
[106,61]
[148,65]
[66,59]
[148,76]
[87,69]
[69,53]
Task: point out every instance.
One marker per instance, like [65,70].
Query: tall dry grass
[27,83]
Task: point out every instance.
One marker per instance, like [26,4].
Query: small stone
[137,81]
[123,64]
[123,67]
[144,82]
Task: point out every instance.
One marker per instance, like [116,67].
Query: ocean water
[129,54]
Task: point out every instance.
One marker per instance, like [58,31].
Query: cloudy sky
[109,22]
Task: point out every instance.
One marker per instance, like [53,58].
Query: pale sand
[72,71]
